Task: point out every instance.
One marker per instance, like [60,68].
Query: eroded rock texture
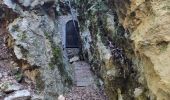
[126,43]
[37,47]
[129,46]
[148,23]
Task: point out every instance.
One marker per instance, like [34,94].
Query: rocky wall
[125,41]
[37,46]
[148,23]
[129,46]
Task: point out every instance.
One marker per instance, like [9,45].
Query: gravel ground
[86,93]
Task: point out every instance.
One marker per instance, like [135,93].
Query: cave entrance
[72,34]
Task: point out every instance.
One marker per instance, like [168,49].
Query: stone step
[83,84]
[83,75]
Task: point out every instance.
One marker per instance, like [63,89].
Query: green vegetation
[56,59]
[18,76]
[4,85]
[51,65]
[47,35]
[56,52]
[22,36]
[15,28]
[35,42]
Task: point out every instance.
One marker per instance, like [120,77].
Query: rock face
[125,41]
[20,95]
[37,46]
[148,23]
[10,87]
[130,46]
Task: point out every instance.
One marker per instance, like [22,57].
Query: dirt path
[85,86]
[83,75]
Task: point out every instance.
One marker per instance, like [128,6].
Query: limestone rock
[144,23]
[1,94]
[86,40]
[5,73]
[120,97]
[9,3]
[37,46]
[149,30]
[74,59]
[19,95]
[28,3]
[24,31]
[37,97]
[10,87]
[145,35]
[110,23]
[1,75]
[138,92]
[61,97]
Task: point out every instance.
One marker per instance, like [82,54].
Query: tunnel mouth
[72,34]
[72,39]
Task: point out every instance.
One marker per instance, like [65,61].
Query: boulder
[1,95]
[37,97]
[19,95]
[10,87]
[61,97]
[74,59]
[138,92]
